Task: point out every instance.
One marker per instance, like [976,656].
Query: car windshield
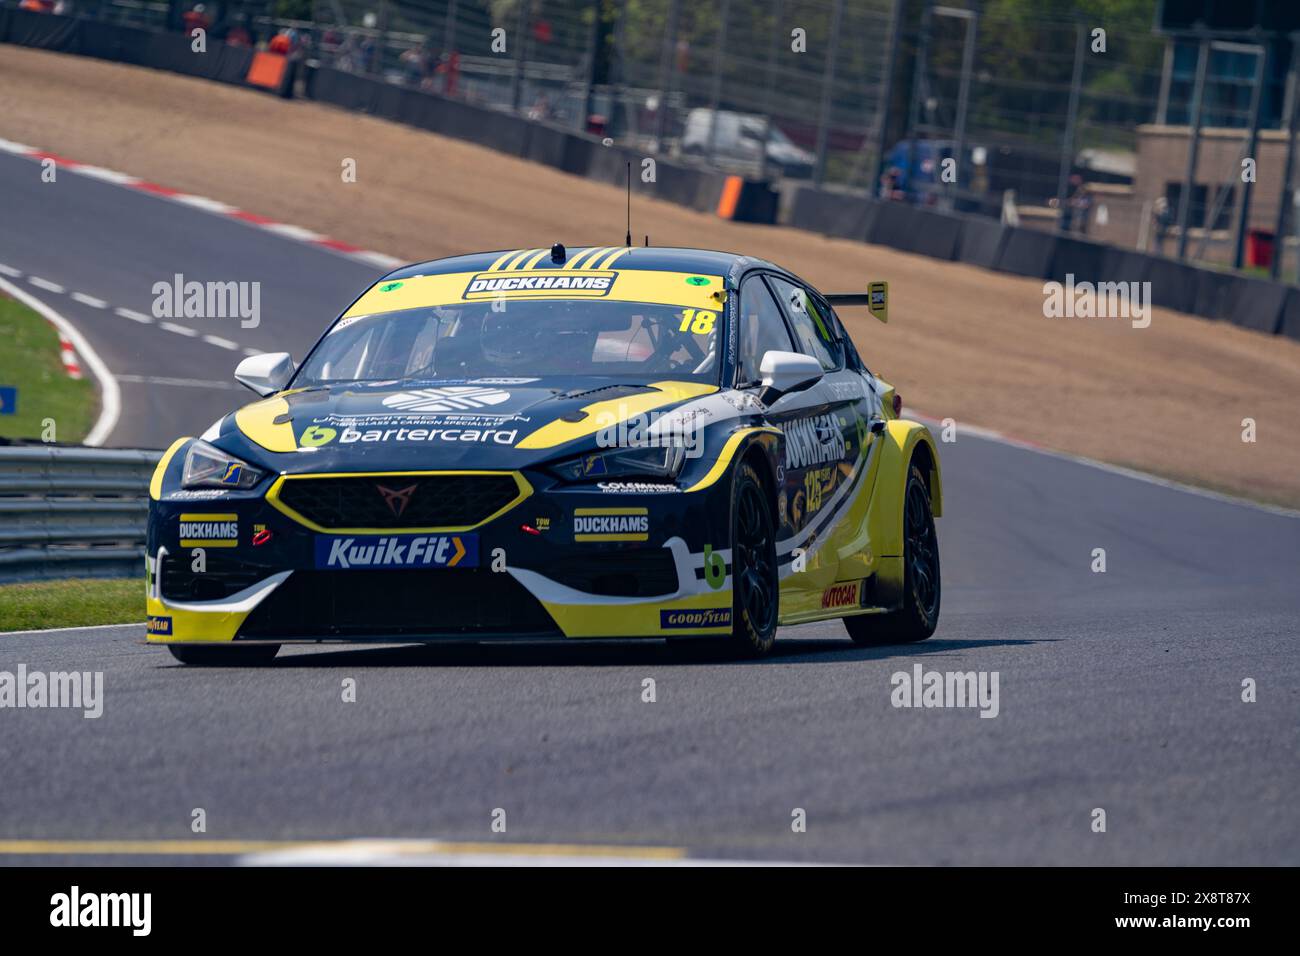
[515,338]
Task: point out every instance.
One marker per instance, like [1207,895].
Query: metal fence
[71,511]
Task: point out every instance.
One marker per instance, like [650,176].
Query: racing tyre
[919,616]
[755,586]
[223,655]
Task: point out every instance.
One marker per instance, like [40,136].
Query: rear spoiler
[876,298]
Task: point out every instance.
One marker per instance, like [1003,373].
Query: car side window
[811,321]
[762,329]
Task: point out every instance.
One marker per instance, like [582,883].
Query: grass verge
[78,602]
[30,362]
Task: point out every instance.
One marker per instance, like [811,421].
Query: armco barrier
[1214,293]
[981,242]
[831,213]
[1258,305]
[934,234]
[1084,260]
[1027,252]
[1173,284]
[73,512]
[161,51]
[1290,322]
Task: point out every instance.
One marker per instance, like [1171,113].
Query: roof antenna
[628,241]
[647,239]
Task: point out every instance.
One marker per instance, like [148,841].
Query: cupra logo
[396,498]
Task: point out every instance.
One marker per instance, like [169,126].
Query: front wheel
[224,655]
[755,585]
[919,615]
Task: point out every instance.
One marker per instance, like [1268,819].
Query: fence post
[667,70]
[1071,118]
[828,89]
[1284,200]
[885,107]
[769,88]
[448,46]
[914,110]
[1252,147]
[715,94]
[963,97]
[521,41]
[1193,145]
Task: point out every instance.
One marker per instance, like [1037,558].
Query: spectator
[890,181]
[238,34]
[196,18]
[449,70]
[37,6]
[1163,217]
[1077,206]
[281,43]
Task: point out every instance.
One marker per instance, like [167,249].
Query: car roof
[645,258]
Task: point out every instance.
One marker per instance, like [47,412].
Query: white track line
[46,284]
[61,630]
[133,315]
[110,396]
[89,300]
[396,852]
[178,329]
[220,343]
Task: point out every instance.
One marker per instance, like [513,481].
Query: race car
[537,444]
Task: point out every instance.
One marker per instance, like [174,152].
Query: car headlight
[659,462]
[210,467]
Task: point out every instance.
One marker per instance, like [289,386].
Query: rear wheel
[224,655]
[755,586]
[919,615]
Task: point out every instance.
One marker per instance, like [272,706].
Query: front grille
[399,603]
[406,501]
[221,576]
[632,573]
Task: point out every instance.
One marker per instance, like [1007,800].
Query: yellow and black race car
[603,443]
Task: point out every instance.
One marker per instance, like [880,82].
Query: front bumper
[559,562]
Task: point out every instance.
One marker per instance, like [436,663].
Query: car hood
[479,423]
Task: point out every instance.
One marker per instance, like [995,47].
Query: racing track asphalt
[1119,690]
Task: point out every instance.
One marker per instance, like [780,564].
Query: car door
[830,455]
[810,445]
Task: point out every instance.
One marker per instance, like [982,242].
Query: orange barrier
[730,197]
[266,70]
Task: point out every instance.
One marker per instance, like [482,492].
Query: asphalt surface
[1118,690]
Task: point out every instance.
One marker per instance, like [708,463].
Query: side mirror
[266,373]
[785,372]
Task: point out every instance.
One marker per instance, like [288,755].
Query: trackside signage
[367,551]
